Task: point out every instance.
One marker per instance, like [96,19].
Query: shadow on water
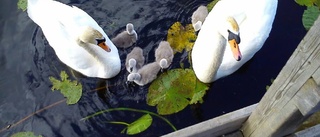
[27,61]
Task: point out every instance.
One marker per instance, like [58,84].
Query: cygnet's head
[163,63]
[197,26]
[93,36]
[130,28]
[233,37]
[132,64]
[133,76]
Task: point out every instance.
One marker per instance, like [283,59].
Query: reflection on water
[27,61]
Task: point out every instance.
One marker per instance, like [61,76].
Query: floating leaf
[200,91]
[308,2]
[180,37]
[22,4]
[304,2]
[171,92]
[309,16]
[211,5]
[72,90]
[139,125]
[25,134]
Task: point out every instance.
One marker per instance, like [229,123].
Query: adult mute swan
[211,58]
[76,38]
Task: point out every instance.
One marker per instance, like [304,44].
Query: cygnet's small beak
[235,49]
[104,46]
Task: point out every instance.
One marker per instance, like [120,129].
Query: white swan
[134,60]
[255,20]
[126,38]
[198,17]
[145,75]
[76,38]
[164,54]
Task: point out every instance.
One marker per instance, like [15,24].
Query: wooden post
[294,94]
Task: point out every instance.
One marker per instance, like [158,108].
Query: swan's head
[133,76]
[233,37]
[93,36]
[132,64]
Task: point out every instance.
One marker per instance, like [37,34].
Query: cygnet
[126,38]
[145,75]
[198,17]
[135,60]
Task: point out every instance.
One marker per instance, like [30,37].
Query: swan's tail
[32,9]
[36,8]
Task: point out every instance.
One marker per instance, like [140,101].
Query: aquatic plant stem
[118,122]
[130,109]
[32,114]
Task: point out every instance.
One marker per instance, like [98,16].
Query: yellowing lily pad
[139,125]
[181,37]
[22,4]
[211,5]
[25,134]
[171,92]
[72,90]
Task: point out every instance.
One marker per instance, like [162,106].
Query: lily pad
[72,90]
[22,4]
[181,37]
[25,134]
[139,125]
[199,92]
[211,5]
[309,16]
[171,92]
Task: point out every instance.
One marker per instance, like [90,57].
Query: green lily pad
[171,92]
[181,37]
[211,5]
[22,4]
[139,125]
[309,16]
[25,134]
[72,90]
[199,92]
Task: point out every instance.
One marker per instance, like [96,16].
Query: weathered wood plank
[277,102]
[217,126]
[316,76]
[311,91]
[310,132]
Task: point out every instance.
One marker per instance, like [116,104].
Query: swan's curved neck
[217,53]
[92,50]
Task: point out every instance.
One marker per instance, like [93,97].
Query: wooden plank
[310,132]
[316,76]
[303,64]
[217,126]
[311,91]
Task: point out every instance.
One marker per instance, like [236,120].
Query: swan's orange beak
[104,46]
[235,49]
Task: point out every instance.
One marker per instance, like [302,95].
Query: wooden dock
[290,100]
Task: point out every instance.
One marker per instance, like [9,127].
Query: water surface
[26,62]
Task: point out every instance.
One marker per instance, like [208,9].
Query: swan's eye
[99,41]
[232,36]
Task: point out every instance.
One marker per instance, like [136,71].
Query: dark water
[26,62]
